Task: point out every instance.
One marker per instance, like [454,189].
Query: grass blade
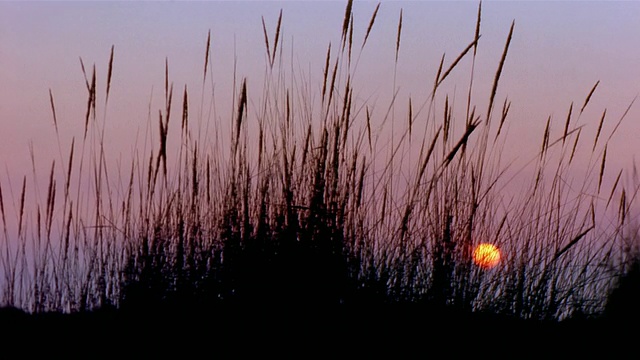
[499,71]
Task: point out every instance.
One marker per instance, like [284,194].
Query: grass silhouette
[307,211]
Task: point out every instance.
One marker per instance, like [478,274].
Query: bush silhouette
[623,302]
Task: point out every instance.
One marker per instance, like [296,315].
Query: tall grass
[306,204]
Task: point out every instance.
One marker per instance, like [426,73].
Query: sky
[558,51]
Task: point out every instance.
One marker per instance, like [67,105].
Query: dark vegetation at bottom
[274,303]
[403,329]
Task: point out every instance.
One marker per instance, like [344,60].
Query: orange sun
[486,255]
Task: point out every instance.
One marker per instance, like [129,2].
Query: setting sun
[486,255]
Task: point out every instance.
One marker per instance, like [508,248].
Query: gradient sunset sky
[559,50]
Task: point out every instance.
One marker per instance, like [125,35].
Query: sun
[486,255]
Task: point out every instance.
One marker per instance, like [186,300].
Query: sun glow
[486,255]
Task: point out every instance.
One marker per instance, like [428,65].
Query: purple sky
[558,52]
